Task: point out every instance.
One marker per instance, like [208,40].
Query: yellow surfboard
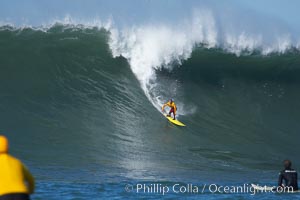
[176,122]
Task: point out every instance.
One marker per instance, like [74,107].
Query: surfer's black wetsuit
[290,177]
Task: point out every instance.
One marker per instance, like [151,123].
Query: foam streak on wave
[149,48]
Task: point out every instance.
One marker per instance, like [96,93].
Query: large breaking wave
[62,83]
[154,46]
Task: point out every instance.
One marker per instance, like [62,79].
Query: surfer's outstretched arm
[163,107]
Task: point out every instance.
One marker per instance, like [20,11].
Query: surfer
[173,107]
[16,182]
[289,175]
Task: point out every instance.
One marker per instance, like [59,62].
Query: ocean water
[81,107]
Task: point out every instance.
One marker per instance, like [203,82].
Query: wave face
[71,92]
